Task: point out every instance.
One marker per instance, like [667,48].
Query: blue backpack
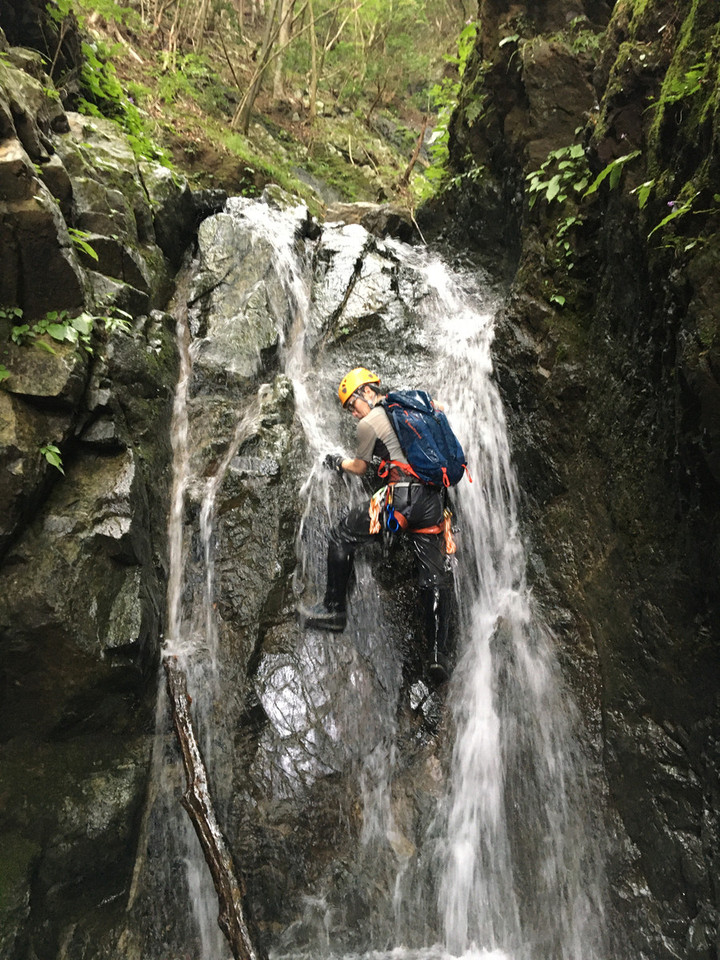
[427,440]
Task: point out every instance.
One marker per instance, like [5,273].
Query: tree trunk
[285,13]
[241,120]
[198,803]
[312,93]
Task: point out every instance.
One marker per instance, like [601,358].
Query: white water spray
[520,869]
[516,865]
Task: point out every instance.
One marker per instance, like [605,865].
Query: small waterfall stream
[520,864]
[502,860]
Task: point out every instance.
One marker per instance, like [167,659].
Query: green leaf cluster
[80,239]
[613,171]
[690,82]
[60,326]
[191,75]
[566,173]
[105,97]
[566,170]
[52,454]
[103,94]
[444,97]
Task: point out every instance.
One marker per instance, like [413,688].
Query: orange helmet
[351,381]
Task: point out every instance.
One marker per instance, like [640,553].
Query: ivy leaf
[53,456]
[553,188]
[58,331]
[83,324]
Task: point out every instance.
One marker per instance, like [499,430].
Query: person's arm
[333,461]
[356,466]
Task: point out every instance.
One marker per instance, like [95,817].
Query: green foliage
[613,170]
[105,97]
[63,328]
[118,321]
[581,38]
[13,314]
[60,326]
[53,456]
[643,192]
[444,96]
[191,76]
[60,10]
[4,372]
[680,209]
[566,174]
[103,93]
[681,87]
[565,170]
[563,240]
[80,239]
[108,9]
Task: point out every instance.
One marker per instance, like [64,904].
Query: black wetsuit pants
[422,506]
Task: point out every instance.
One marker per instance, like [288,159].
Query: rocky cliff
[89,366]
[607,357]
[609,361]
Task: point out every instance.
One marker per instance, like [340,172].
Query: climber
[415,507]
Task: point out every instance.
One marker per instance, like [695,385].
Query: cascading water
[520,866]
[496,858]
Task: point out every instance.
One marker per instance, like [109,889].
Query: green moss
[692,77]
[636,10]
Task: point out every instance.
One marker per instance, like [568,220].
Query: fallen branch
[198,803]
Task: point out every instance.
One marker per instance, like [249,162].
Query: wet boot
[331,614]
[323,617]
[436,613]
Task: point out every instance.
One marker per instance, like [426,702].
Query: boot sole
[312,623]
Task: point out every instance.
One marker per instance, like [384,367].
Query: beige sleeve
[366,438]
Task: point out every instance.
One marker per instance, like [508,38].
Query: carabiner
[391,521]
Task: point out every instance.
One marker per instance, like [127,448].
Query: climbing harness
[386,465]
[377,503]
[381,506]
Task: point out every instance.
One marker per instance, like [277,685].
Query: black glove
[333,461]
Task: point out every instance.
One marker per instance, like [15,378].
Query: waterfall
[520,864]
[498,859]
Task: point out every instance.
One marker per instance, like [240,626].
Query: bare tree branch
[405,178]
[196,800]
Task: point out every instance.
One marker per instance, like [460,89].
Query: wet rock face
[83,603]
[82,554]
[61,172]
[613,408]
[288,711]
[82,587]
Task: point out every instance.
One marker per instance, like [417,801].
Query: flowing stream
[503,860]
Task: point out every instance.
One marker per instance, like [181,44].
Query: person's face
[358,404]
